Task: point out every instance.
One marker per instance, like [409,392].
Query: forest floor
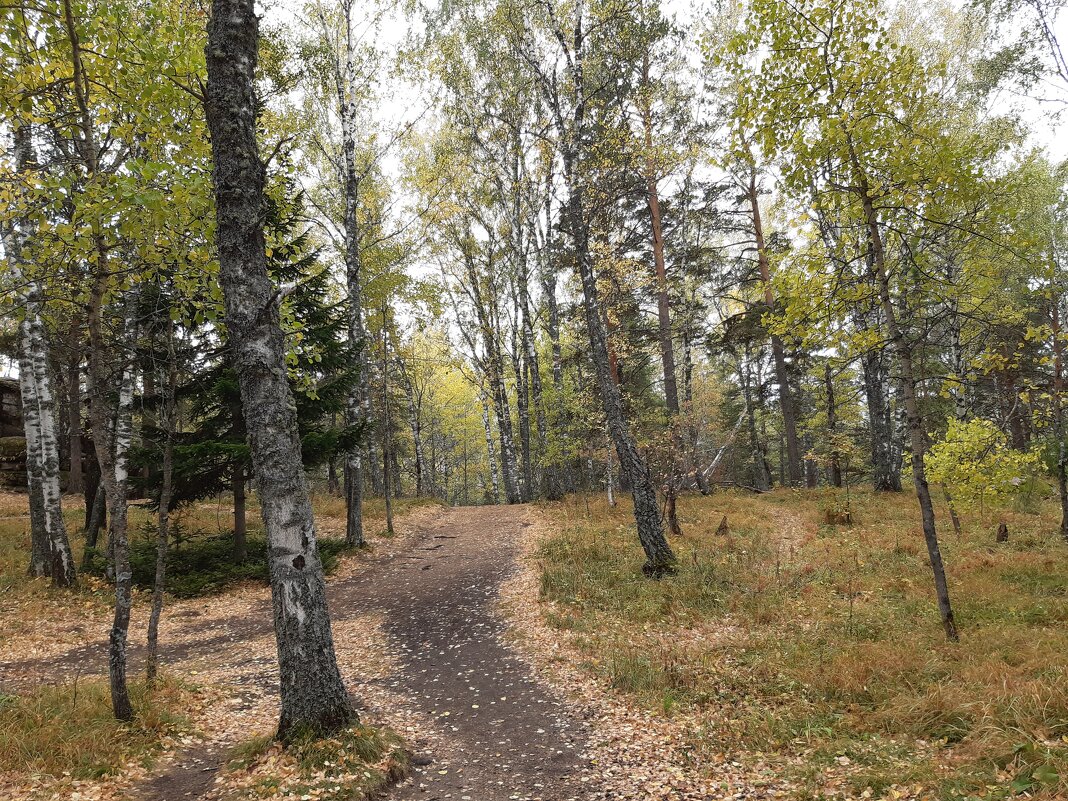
[519,654]
[791,655]
[218,658]
[421,644]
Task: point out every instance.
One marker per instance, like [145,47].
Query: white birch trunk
[50,547]
[491,451]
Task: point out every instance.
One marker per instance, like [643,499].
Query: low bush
[204,564]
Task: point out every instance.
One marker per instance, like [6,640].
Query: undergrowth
[202,564]
[820,645]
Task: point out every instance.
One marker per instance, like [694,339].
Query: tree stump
[1003,532]
[723,529]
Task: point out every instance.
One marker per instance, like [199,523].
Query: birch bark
[313,697]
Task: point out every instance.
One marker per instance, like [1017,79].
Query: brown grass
[69,729]
[822,641]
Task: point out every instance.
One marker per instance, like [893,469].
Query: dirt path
[482,725]
[496,732]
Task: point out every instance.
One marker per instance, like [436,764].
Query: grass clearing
[819,645]
[53,731]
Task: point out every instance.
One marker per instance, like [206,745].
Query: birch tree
[313,696]
[50,553]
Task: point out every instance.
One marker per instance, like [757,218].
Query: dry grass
[69,730]
[821,645]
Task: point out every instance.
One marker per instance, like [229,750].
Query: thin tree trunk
[782,375]
[97,519]
[386,482]
[118,530]
[333,482]
[415,423]
[50,553]
[885,478]
[503,407]
[358,404]
[530,362]
[170,420]
[237,487]
[313,697]
[40,551]
[761,471]
[832,428]
[75,475]
[491,450]
[1058,409]
[522,399]
[110,443]
[917,435]
[554,471]
[663,300]
[609,477]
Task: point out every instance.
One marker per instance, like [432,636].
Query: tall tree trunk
[554,471]
[503,407]
[170,420]
[659,557]
[533,371]
[75,476]
[491,450]
[50,553]
[386,433]
[40,549]
[522,399]
[787,404]
[111,420]
[687,365]
[494,369]
[1058,409]
[115,477]
[313,696]
[835,468]
[358,406]
[572,132]
[917,434]
[761,471]
[885,476]
[663,299]
[415,423]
